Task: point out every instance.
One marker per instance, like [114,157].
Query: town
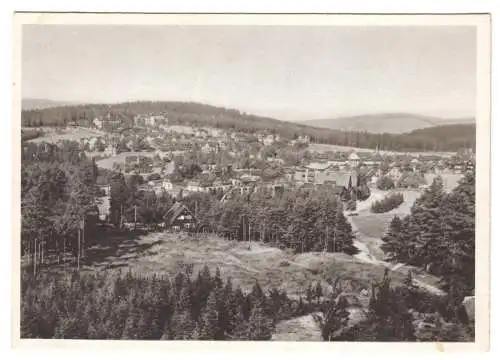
[181,160]
[249,183]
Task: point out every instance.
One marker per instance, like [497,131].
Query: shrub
[412,180]
[385,183]
[351,205]
[388,203]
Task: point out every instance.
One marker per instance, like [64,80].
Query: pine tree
[343,235]
[130,331]
[309,293]
[259,326]
[217,278]
[392,239]
[318,291]
[240,328]
[181,326]
[210,320]
[336,319]
[118,198]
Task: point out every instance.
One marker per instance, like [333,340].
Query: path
[366,255]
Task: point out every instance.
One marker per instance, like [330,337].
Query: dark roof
[174,212]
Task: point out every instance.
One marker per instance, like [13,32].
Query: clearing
[107,163]
[166,253]
[53,135]
[321,148]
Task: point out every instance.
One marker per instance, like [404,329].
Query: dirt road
[369,247]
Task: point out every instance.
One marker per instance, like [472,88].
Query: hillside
[31,104]
[393,123]
[202,115]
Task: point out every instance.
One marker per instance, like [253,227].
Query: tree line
[292,219]
[299,220]
[439,235]
[388,203]
[59,199]
[133,307]
[196,114]
[398,313]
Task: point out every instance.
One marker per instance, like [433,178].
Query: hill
[203,115]
[31,104]
[393,123]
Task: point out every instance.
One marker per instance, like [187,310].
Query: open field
[107,163]
[327,147]
[167,253]
[53,135]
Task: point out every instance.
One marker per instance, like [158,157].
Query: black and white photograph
[253,178]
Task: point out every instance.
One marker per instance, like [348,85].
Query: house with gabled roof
[179,217]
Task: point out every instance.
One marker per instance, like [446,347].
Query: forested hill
[393,123]
[463,132]
[196,114]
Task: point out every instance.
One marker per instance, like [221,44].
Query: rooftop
[353,156]
[318,166]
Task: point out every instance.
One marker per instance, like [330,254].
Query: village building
[194,186]
[206,148]
[110,150]
[179,217]
[353,160]
[167,185]
[97,123]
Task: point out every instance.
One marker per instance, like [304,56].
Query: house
[206,148]
[316,170]
[167,185]
[97,123]
[194,186]
[104,203]
[110,150]
[179,217]
[415,164]
[353,160]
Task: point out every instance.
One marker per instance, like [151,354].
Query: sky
[287,72]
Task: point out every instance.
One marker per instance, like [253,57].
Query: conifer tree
[336,319]
[217,278]
[130,331]
[309,293]
[259,326]
[118,197]
[210,321]
[344,236]
[240,327]
[318,291]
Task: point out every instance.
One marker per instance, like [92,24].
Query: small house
[179,217]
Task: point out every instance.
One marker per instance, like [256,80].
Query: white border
[483,163]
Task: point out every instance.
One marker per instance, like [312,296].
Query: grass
[303,328]
[327,147]
[167,253]
[72,134]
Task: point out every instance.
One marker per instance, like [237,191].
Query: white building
[268,140]
[353,160]
[97,123]
[206,148]
[167,185]
[193,186]
[110,150]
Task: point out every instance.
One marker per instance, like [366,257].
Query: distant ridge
[394,123]
[32,104]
